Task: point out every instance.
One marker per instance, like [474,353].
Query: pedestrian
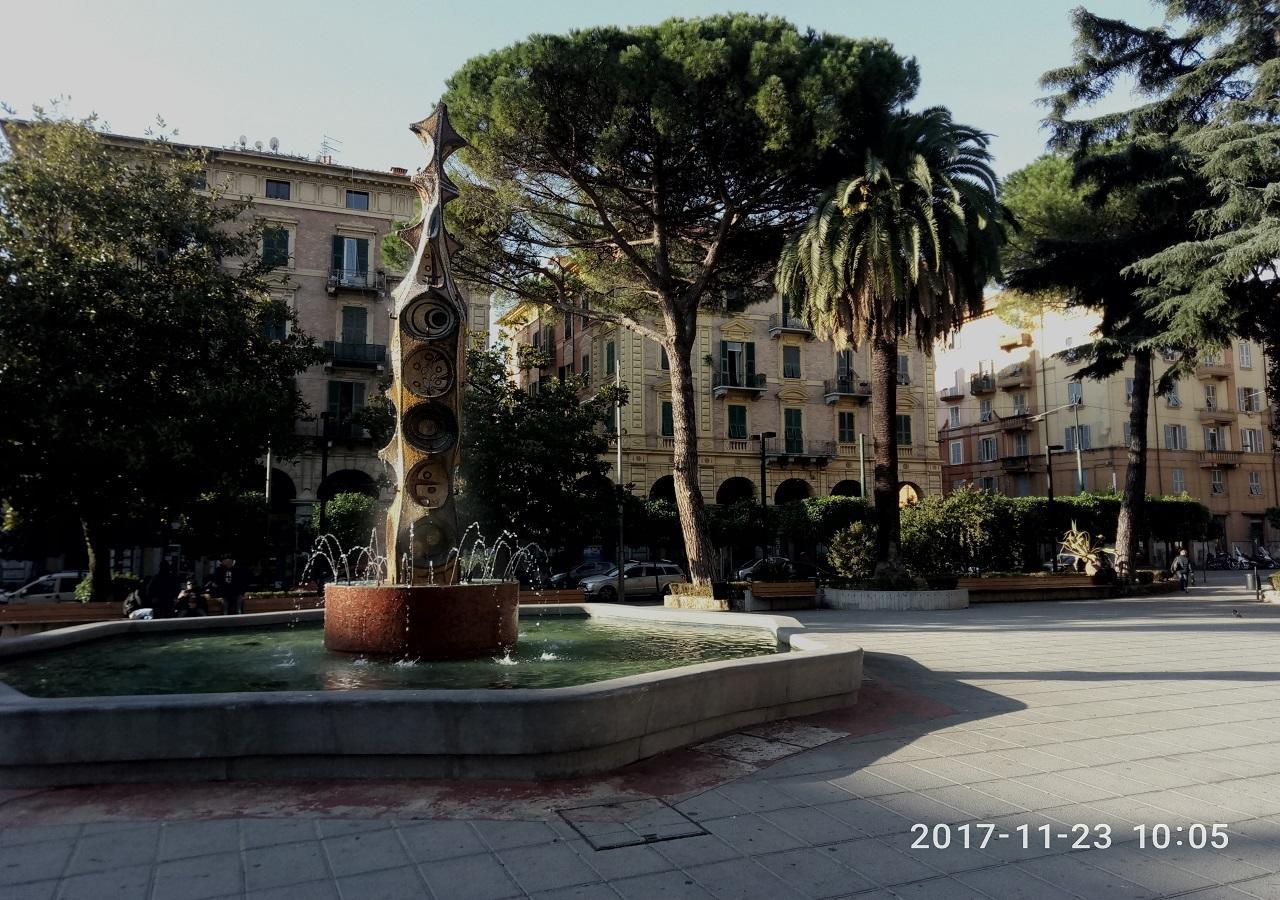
[162,592]
[191,603]
[1182,568]
[229,581]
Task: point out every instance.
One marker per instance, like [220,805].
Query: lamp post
[763,437]
[1049,450]
[617,433]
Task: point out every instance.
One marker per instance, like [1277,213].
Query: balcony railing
[984,383]
[845,386]
[356,280]
[1214,368]
[951,393]
[339,353]
[1018,463]
[799,447]
[1015,376]
[722,382]
[348,431]
[1215,413]
[780,323]
[1219,459]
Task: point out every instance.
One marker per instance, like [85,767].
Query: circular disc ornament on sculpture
[431,543]
[430,319]
[428,373]
[431,428]
[428,484]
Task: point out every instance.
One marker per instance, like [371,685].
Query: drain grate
[627,823]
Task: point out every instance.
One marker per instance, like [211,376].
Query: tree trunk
[884,414]
[684,463]
[99,567]
[1129,524]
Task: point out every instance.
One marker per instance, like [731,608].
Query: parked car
[744,573]
[639,579]
[579,572]
[798,569]
[59,586]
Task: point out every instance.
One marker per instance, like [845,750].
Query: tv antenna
[329,147]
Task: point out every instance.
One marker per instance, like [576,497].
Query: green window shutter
[724,360]
[354,324]
[362,256]
[335,259]
[738,422]
[751,360]
[610,358]
[335,400]
[357,398]
[668,419]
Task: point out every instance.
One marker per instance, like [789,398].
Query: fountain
[424,610]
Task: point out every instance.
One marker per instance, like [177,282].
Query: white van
[60,586]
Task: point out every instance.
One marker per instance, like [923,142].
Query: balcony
[1213,369]
[1219,459]
[835,388]
[781,323]
[358,280]
[345,431]
[724,382]
[983,383]
[787,449]
[339,354]
[951,393]
[1019,421]
[1020,463]
[1216,415]
[1016,377]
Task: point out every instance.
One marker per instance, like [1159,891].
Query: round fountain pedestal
[426,622]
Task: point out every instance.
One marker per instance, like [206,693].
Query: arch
[791,491]
[283,491]
[735,490]
[850,487]
[347,481]
[663,489]
[909,493]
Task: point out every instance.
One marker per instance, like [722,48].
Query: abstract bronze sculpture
[420,611]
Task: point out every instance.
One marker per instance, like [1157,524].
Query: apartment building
[1006,390]
[756,372]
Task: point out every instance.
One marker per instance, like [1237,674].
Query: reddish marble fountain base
[428,622]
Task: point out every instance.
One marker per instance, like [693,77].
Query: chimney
[400,171]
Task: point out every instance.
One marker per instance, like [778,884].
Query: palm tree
[905,246]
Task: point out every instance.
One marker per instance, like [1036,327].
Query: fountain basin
[423,622]
[518,733]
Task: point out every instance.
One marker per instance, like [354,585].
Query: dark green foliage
[852,552]
[122,585]
[136,372]
[817,519]
[221,521]
[532,464]
[351,518]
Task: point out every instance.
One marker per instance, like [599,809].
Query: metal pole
[617,429]
[1048,471]
[324,472]
[764,493]
[862,463]
[1079,452]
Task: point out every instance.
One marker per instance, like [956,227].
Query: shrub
[852,552]
[122,585]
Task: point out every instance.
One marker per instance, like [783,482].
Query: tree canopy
[138,368]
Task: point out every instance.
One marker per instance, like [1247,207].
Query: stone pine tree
[904,246]
[640,176]
[1083,223]
[1209,80]
[138,370]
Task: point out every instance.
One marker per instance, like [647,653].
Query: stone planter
[777,595]
[695,601]
[842,598]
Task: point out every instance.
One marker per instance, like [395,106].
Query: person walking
[229,582]
[162,592]
[1182,568]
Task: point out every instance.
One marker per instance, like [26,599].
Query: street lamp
[763,437]
[1043,417]
[1049,450]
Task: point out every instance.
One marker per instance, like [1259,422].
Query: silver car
[639,580]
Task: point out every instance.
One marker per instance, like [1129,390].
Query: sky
[360,72]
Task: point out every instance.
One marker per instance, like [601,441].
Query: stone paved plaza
[1119,713]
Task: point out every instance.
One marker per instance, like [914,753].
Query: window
[1210,396]
[563,373]
[349,260]
[1128,433]
[986,449]
[345,397]
[1217,482]
[985,413]
[1173,398]
[277,190]
[738,423]
[904,431]
[1213,439]
[1175,437]
[357,199]
[957,452]
[846,427]
[1075,392]
[1248,399]
[793,428]
[586,368]
[790,362]
[989,483]
[1021,445]
[664,361]
[275,246]
[958,483]
[1255,484]
[1251,440]
[844,363]
[1245,351]
[1020,407]
[1128,390]
[1086,442]
[904,369]
[568,327]
[668,420]
[954,414]
[274,329]
[610,359]
[738,363]
[537,339]
[355,320]
[1179,481]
